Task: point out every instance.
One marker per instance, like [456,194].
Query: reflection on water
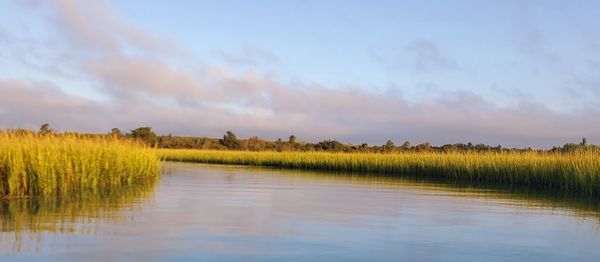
[577,206]
[25,221]
[215,213]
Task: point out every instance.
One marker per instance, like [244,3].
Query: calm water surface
[216,213]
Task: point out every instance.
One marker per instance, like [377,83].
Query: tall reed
[577,173]
[66,165]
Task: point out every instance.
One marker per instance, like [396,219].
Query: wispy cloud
[418,56]
[97,26]
[427,57]
[148,89]
[249,57]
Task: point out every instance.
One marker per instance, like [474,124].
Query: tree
[45,129]
[424,147]
[255,144]
[144,134]
[20,132]
[406,145]
[116,133]
[389,146]
[279,146]
[389,143]
[329,145]
[292,140]
[230,140]
[450,147]
[364,147]
[482,147]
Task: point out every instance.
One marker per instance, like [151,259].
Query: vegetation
[231,142]
[573,173]
[46,163]
[88,176]
[64,165]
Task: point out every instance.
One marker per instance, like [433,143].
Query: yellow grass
[66,165]
[577,173]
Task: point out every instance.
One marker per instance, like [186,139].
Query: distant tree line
[230,141]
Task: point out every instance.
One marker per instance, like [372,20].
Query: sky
[516,73]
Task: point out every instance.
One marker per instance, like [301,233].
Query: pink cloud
[147,90]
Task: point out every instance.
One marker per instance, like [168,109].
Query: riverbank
[575,173]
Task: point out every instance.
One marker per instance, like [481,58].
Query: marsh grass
[64,166]
[561,173]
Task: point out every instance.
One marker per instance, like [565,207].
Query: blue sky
[490,46]
[517,73]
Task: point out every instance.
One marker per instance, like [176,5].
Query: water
[222,213]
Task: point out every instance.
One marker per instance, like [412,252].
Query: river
[230,213]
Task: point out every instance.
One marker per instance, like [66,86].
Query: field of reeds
[66,165]
[572,173]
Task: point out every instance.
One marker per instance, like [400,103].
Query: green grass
[66,165]
[576,173]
